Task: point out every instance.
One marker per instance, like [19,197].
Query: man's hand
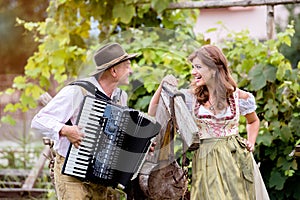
[73,133]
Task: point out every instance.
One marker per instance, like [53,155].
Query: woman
[223,166]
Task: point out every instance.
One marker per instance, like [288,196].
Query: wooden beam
[228,3]
[19,193]
[36,170]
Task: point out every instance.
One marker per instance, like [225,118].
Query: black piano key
[84,154]
[84,150]
[83,159]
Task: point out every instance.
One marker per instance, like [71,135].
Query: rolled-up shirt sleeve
[63,107]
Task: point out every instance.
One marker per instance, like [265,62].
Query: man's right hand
[73,133]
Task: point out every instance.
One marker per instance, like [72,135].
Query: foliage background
[165,38]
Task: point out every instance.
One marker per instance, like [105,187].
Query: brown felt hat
[110,55]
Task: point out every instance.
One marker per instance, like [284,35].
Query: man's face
[123,70]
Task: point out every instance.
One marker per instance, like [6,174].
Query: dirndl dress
[222,167]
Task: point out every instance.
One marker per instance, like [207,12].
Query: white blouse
[246,106]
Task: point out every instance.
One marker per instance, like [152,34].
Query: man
[113,68]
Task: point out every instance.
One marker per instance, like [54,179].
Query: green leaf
[123,12]
[258,80]
[50,26]
[51,45]
[61,78]
[44,82]
[286,134]
[211,30]
[143,9]
[289,172]
[33,72]
[160,5]
[271,109]
[34,91]
[46,71]
[295,125]
[265,139]
[28,101]
[283,66]
[270,73]
[60,2]
[9,108]
[8,120]
[58,58]
[9,91]
[277,180]
[143,102]
[19,82]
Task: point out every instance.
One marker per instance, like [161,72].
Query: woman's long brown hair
[214,58]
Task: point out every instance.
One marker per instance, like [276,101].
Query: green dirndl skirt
[222,170]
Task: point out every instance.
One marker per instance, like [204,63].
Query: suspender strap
[92,89]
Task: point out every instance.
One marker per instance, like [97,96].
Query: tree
[16,45]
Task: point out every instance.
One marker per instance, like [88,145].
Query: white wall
[236,19]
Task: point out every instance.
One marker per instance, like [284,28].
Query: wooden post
[270,22]
[297,151]
[36,170]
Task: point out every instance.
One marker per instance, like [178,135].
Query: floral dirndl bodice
[219,125]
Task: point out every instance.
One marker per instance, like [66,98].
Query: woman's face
[203,75]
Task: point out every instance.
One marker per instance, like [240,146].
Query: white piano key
[90,135]
[81,157]
[74,173]
[87,144]
[73,159]
[71,164]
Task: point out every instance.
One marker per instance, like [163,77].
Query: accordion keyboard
[90,121]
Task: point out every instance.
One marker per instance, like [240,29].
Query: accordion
[116,142]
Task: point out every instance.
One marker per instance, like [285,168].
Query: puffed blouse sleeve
[247,105]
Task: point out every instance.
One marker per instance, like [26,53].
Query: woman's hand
[249,145]
[170,79]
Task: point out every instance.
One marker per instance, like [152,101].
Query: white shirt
[64,106]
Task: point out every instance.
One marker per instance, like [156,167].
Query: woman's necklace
[211,106]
